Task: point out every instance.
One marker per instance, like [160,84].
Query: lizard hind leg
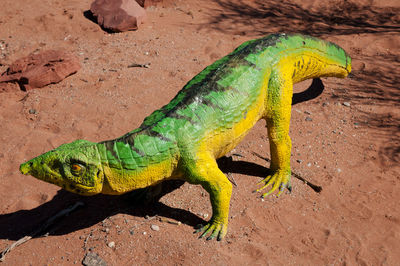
[205,171]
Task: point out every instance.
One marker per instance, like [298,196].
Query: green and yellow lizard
[205,120]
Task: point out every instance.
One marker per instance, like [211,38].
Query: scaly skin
[205,120]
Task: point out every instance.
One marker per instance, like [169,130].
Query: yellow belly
[120,181]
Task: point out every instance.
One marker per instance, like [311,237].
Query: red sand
[351,151]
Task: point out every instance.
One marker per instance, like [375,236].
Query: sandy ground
[346,140]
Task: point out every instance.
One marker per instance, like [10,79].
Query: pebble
[111,244]
[299,161]
[309,164]
[155,227]
[92,259]
[308,118]
[32,111]
[346,104]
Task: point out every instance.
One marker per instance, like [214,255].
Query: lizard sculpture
[205,120]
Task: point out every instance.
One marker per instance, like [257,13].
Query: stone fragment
[155,227]
[93,259]
[147,3]
[118,15]
[41,69]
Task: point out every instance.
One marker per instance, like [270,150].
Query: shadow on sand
[261,17]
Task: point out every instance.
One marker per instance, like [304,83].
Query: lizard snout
[25,168]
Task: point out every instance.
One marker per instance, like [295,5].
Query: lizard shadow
[316,88]
[15,225]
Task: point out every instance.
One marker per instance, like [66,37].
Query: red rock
[147,3]
[118,15]
[39,70]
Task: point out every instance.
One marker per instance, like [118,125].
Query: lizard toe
[279,180]
[213,230]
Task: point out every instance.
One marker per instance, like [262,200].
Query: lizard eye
[76,168]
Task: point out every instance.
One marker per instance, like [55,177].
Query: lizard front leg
[279,99]
[204,171]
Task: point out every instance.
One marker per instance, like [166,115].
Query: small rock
[155,227]
[325,104]
[111,244]
[32,111]
[309,164]
[93,259]
[307,112]
[347,104]
[299,161]
[148,3]
[118,16]
[339,170]
[308,118]
[40,69]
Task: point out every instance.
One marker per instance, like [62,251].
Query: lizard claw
[279,180]
[215,229]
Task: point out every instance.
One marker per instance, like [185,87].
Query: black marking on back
[130,140]
[183,117]
[152,133]
[109,144]
[209,83]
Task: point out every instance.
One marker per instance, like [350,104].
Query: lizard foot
[215,228]
[279,179]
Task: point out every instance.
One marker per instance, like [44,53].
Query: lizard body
[205,120]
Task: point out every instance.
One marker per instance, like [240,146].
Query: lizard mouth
[45,174]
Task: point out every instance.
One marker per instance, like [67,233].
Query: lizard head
[74,166]
[319,58]
[337,62]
